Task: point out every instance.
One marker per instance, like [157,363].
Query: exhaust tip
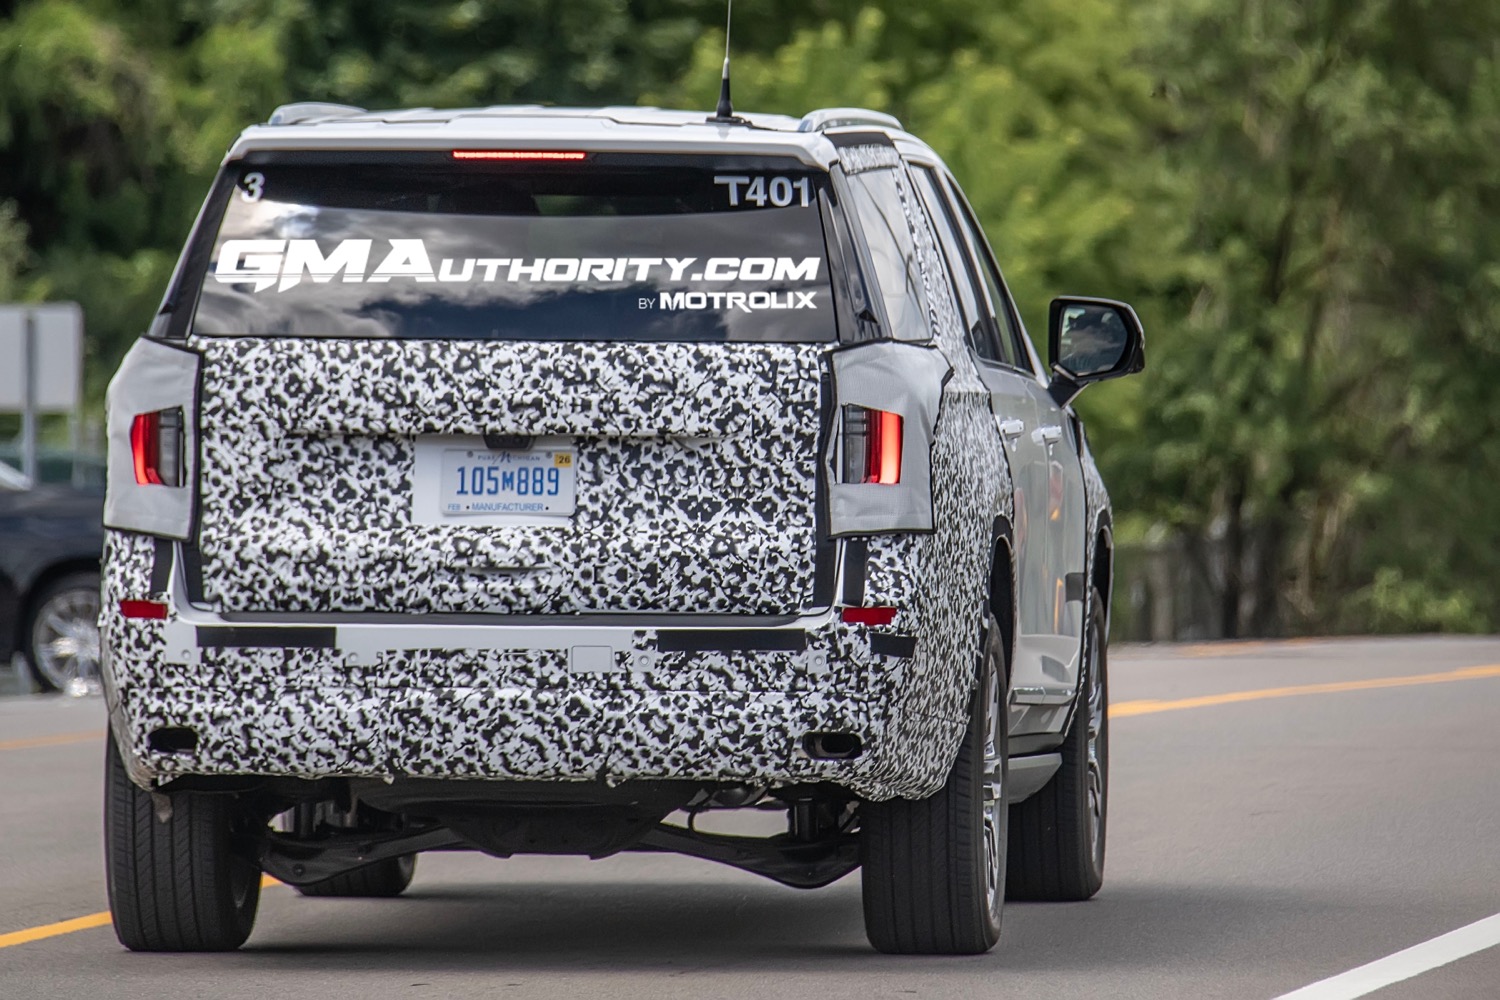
[833,746]
[173,739]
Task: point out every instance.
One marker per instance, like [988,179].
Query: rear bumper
[564,702]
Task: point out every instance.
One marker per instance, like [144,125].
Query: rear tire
[177,885]
[934,869]
[381,880]
[1057,835]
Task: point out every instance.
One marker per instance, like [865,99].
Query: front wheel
[934,869]
[378,880]
[1057,835]
[175,884]
[381,880]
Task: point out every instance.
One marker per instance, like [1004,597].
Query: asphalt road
[1257,844]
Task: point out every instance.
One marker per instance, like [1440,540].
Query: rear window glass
[679,250]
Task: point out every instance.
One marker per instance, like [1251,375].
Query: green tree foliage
[101,157]
[1297,196]
[114,115]
[13,253]
[1328,379]
[1039,113]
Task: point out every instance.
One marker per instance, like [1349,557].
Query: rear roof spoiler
[827,118]
[307,111]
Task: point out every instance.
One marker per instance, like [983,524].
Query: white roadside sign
[58,340]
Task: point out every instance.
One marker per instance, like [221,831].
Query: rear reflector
[517,155]
[869,616]
[156,447]
[153,610]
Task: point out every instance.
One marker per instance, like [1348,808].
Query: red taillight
[872,446]
[885,448]
[153,610]
[517,155]
[869,616]
[145,445]
[156,447]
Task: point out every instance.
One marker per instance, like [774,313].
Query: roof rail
[827,118]
[304,111]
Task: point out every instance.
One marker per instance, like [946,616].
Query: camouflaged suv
[536,481]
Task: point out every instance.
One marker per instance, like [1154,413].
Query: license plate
[481,481]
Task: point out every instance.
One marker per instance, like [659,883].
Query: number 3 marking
[254,185]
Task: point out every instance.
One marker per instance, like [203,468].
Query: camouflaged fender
[896,377]
[153,376]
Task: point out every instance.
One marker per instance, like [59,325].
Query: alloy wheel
[65,641]
[1098,747]
[996,811]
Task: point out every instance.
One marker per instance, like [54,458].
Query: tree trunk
[1234,559]
[1265,611]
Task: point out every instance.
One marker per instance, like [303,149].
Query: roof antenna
[724,114]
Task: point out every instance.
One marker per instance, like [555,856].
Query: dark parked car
[50,541]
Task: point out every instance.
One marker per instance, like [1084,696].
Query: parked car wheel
[934,869]
[175,884]
[62,634]
[1057,835]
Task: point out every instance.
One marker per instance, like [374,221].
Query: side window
[876,200]
[1004,311]
[983,336]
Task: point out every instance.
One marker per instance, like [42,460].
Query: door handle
[1012,428]
[1051,435]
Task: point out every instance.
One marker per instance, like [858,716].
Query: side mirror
[1090,340]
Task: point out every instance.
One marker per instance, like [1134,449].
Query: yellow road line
[1148,706]
[61,739]
[1244,647]
[53,930]
[76,924]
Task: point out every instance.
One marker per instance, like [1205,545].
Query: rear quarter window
[876,200]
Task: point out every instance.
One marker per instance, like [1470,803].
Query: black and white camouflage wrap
[307,460]
[971,487]
[696,466]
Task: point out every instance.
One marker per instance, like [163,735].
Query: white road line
[1404,964]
